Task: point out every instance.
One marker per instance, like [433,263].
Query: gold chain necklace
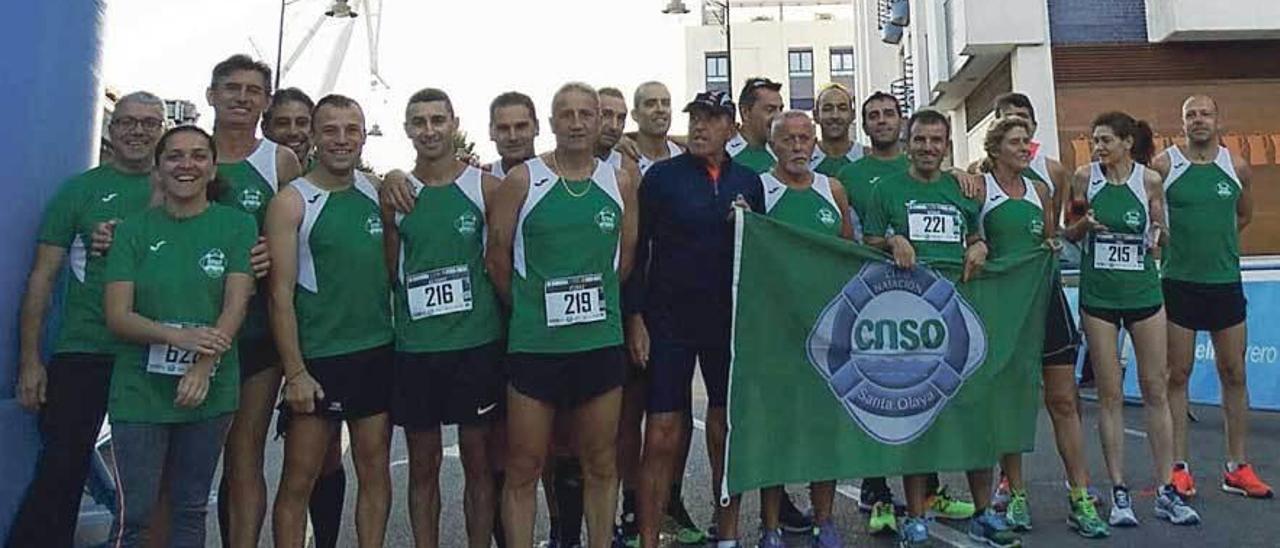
[555,158]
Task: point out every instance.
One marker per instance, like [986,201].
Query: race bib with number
[439,292]
[166,359]
[1118,252]
[933,223]
[576,299]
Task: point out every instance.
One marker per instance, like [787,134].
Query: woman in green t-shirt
[178,282]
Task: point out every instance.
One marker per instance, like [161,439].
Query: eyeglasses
[150,124]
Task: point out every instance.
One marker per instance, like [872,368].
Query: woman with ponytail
[1122,228]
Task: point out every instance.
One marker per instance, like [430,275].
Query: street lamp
[677,7]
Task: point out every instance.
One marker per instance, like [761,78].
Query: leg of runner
[987,526]
[1060,398]
[662,434]
[529,424]
[1229,348]
[194,448]
[595,425]
[629,441]
[1104,353]
[822,495]
[687,532]
[244,488]
[478,497]
[549,495]
[1181,353]
[770,507]
[424,485]
[915,528]
[496,445]
[371,452]
[1150,347]
[327,497]
[303,456]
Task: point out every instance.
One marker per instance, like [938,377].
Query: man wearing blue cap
[678,309]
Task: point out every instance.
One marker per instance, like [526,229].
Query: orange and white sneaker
[1183,483]
[1245,482]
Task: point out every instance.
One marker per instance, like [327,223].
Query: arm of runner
[970,183]
[102,237]
[1244,207]
[628,180]
[396,191]
[975,257]
[628,147]
[1086,223]
[1050,229]
[1155,204]
[193,387]
[842,203]
[288,167]
[1060,177]
[1161,163]
[35,302]
[503,214]
[284,214]
[635,287]
[133,327]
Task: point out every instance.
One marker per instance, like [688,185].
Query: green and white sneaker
[1084,517]
[882,519]
[942,506]
[1018,512]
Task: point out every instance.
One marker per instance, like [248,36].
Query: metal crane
[371,10]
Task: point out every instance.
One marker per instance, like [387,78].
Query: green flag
[845,366]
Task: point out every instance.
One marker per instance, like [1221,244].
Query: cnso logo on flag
[895,346]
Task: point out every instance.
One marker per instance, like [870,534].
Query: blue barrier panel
[1262,352]
[50,109]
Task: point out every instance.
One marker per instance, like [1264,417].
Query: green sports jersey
[1116,269]
[859,178]
[813,208]
[342,299]
[1011,225]
[934,216]
[1201,200]
[249,186]
[564,288]
[831,165]
[179,269]
[444,299]
[81,204]
[758,159]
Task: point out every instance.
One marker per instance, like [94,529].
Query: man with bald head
[1207,191]
[833,111]
[651,109]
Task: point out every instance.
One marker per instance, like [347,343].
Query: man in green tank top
[331,317]
[882,122]
[250,169]
[448,322]
[833,111]
[1208,195]
[70,393]
[798,196]
[758,103]
[562,233]
[922,216]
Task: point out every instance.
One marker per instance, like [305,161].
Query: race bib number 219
[573,300]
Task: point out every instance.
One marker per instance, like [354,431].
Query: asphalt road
[1228,520]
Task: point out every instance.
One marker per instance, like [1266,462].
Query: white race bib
[439,292]
[576,299]
[1118,252]
[933,223]
[166,359]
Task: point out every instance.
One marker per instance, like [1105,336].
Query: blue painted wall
[48,104]
[1097,21]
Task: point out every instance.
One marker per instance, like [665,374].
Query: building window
[842,66]
[718,72]
[800,70]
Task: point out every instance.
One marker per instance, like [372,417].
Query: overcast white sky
[473,49]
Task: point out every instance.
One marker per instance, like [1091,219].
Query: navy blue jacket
[683,278]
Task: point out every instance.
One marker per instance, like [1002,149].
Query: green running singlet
[1116,270]
[444,299]
[813,208]
[1201,199]
[564,285]
[342,298]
